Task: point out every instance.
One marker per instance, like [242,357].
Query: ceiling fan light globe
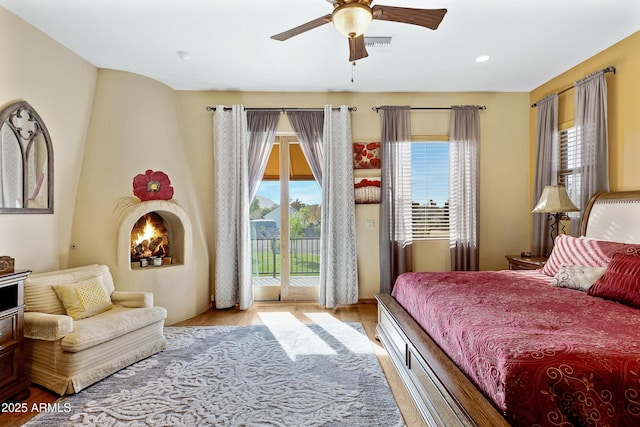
[352,19]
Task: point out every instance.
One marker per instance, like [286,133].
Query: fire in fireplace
[150,238]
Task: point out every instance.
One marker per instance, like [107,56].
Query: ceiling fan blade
[429,18]
[302,28]
[357,49]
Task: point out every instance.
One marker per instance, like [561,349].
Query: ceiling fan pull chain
[353,66]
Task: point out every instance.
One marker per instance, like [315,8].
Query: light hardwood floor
[364,312]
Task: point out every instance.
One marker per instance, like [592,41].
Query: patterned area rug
[302,375]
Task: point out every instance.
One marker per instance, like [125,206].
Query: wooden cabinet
[518,262]
[14,384]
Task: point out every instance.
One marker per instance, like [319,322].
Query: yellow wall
[504,206]
[623,108]
[59,85]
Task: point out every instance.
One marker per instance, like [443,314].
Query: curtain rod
[282,109]
[376,109]
[609,69]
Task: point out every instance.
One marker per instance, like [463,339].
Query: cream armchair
[79,330]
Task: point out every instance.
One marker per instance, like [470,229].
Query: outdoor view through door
[285,243]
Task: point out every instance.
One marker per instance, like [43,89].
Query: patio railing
[304,256]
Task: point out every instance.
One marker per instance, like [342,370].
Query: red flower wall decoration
[367,190]
[152,186]
[366,155]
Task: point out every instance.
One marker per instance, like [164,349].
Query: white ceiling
[529,42]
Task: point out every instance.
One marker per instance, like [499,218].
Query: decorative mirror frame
[17,110]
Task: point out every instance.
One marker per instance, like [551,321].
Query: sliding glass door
[285,227]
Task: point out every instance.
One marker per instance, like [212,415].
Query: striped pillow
[621,281]
[584,251]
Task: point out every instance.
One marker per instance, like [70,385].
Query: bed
[555,346]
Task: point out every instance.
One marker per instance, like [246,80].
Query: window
[430,189]
[570,164]
[287,181]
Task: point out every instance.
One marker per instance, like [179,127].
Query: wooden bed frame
[443,394]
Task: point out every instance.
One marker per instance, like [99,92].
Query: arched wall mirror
[26,161]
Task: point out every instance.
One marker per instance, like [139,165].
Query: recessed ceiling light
[185,56]
[482,58]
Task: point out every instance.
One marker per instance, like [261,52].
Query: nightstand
[518,262]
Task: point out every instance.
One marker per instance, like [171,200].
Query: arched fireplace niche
[181,287]
[152,230]
[151,241]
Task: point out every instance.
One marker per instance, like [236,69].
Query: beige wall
[623,108]
[504,206]
[134,127]
[60,86]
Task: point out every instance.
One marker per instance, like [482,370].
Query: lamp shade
[352,19]
[554,198]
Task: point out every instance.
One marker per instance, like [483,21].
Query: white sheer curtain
[231,186]
[263,126]
[308,126]
[464,185]
[546,168]
[338,256]
[238,153]
[395,205]
[591,131]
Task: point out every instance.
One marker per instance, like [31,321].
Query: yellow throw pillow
[85,298]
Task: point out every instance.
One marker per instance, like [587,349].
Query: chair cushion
[40,296]
[109,325]
[85,298]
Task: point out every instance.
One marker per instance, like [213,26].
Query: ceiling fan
[353,17]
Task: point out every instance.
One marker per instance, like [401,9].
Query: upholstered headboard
[613,216]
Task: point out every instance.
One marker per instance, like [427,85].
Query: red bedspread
[544,355]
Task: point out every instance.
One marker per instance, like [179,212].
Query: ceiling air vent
[381,42]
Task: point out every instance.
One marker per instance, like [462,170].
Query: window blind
[570,163]
[430,189]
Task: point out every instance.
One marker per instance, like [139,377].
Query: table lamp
[555,202]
